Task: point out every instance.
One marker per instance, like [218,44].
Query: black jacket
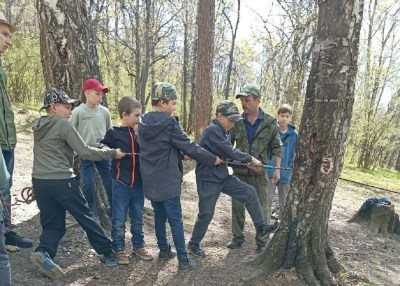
[161,141]
[218,142]
[127,169]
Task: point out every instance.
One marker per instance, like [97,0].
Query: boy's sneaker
[166,254]
[264,230]
[195,249]
[186,265]
[11,238]
[121,258]
[109,259]
[46,265]
[142,253]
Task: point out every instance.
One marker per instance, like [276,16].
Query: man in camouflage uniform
[258,135]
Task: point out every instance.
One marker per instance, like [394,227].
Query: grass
[383,178]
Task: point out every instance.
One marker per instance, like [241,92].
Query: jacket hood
[291,129]
[153,123]
[41,125]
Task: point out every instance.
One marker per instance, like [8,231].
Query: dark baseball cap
[58,96]
[229,109]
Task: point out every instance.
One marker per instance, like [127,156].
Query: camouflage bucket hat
[163,90]
[248,90]
[229,109]
[58,96]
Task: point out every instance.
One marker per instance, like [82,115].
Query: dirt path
[363,253]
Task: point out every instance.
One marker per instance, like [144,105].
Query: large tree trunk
[204,76]
[302,238]
[67,45]
[69,57]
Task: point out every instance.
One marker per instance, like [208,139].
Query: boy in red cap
[92,120]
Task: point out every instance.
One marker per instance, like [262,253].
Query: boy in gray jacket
[214,180]
[56,187]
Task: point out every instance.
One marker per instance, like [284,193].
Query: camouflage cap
[229,109]
[249,89]
[163,90]
[57,96]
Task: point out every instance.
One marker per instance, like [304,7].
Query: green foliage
[383,178]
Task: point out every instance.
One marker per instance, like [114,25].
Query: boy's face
[5,37]
[284,119]
[169,108]
[225,122]
[93,97]
[61,110]
[132,119]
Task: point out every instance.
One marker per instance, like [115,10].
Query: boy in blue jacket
[162,145]
[214,180]
[288,135]
[127,191]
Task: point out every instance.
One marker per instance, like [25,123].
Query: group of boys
[147,161]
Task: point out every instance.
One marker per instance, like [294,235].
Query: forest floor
[373,258]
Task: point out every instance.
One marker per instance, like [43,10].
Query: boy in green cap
[162,145]
[214,180]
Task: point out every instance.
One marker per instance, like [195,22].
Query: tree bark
[302,238]
[67,45]
[204,76]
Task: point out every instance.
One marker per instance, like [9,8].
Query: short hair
[155,102]
[285,108]
[127,104]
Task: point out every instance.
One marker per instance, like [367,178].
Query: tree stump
[381,218]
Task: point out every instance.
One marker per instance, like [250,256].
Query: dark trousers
[54,198]
[171,210]
[208,195]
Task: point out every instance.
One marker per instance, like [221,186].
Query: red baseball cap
[95,85]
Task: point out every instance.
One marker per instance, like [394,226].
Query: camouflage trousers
[238,209]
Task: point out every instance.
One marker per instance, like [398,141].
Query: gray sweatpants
[283,190]
[208,195]
[5,269]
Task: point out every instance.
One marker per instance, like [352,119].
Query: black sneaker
[264,230]
[186,265]
[16,240]
[195,249]
[235,244]
[166,254]
[260,248]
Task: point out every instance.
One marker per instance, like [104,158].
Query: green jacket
[266,142]
[8,134]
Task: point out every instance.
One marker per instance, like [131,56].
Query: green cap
[229,109]
[163,90]
[249,89]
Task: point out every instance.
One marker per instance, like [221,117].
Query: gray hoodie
[161,141]
[55,140]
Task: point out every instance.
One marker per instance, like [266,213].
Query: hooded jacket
[161,141]
[289,139]
[126,169]
[8,134]
[216,140]
[55,140]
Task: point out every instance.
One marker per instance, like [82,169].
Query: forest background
[141,42]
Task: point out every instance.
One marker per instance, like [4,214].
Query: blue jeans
[87,173]
[127,199]
[171,210]
[5,269]
[5,189]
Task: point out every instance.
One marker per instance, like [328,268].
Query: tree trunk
[190,127]
[302,238]
[67,45]
[69,57]
[204,76]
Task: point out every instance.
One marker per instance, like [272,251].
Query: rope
[255,165]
